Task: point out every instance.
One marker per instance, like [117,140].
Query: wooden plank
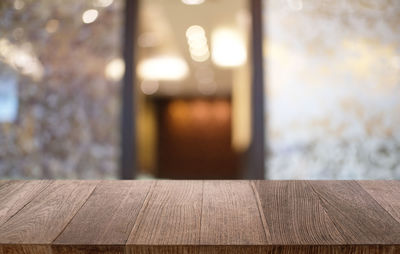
[294,214]
[386,193]
[276,217]
[170,216]
[162,249]
[357,216]
[44,218]
[88,249]
[288,249]
[107,217]
[230,215]
[25,249]
[270,249]
[299,249]
[14,195]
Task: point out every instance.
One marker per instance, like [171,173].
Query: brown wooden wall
[195,139]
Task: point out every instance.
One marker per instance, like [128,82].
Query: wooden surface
[200,217]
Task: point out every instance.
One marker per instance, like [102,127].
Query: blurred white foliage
[333,85]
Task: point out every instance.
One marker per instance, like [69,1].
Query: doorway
[193,95]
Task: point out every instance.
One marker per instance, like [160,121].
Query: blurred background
[200,89]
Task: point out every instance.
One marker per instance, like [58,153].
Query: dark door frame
[254,164]
[255,157]
[128,163]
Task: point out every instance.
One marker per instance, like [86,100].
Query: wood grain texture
[300,249]
[44,218]
[162,249]
[199,217]
[170,216]
[88,249]
[25,249]
[357,216]
[14,195]
[269,249]
[230,215]
[294,214]
[386,193]
[108,215]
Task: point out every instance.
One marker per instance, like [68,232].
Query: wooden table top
[200,216]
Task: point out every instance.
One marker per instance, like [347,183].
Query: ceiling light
[201,58]
[193,2]
[115,69]
[228,49]
[199,51]
[163,68]
[89,16]
[197,41]
[102,3]
[195,31]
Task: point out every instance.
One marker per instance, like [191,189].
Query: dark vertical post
[256,153]
[128,128]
